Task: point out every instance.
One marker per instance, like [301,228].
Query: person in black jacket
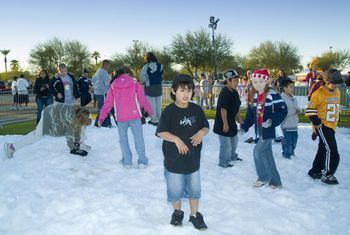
[84,85]
[42,92]
[64,86]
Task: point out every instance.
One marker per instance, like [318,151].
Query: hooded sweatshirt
[127,97]
[291,121]
[154,89]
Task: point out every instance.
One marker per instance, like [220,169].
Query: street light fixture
[213,25]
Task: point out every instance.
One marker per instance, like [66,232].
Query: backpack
[156,77]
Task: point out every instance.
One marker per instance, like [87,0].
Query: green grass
[23,128]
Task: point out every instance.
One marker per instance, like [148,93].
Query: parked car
[2,86]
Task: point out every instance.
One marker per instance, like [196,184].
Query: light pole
[213,24]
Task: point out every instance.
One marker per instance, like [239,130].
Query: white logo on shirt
[187,121]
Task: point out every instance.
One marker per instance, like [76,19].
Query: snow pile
[46,190]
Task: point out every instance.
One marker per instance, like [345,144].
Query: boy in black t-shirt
[183,126]
[227,112]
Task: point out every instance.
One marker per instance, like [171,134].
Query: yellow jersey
[325,104]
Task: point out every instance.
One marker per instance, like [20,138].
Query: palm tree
[96,55]
[14,64]
[5,52]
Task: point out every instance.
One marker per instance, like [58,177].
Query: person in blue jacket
[84,85]
[268,111]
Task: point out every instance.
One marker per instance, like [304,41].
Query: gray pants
[156,104]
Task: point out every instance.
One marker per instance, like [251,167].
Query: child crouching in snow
[58,119]
[183,126]
[127,96]
[268,111]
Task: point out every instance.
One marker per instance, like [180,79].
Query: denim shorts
[182,185]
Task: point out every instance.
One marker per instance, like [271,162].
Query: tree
[5,53]
[14,64]
[96,55]
[77,56]
[52,52]
[194,51]
[274,56]
[133,57]
[338,60]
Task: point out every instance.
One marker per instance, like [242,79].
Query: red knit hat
[261,73]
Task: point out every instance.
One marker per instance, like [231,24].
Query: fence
[10,114]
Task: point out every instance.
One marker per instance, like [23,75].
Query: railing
[10,112]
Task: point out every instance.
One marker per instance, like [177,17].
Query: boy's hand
[181,146]
[197,138]
[225,128]
[59,96]
[99,124]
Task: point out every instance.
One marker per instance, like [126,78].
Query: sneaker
[315,175]
[9,150]
[259,183]
[275,186]
[142,166]
[153,123]
[329,179]
[236,158]
[177,217]
[227,165]
[198,221]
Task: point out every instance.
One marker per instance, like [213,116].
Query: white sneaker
[259,183]
[142,166]
[9,150]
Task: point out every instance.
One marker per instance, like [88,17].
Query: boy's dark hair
[184,81]
[285,82]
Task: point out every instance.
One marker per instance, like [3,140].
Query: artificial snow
[46,190]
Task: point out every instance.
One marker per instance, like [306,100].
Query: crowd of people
[182,125]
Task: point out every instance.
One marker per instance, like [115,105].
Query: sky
[111,26]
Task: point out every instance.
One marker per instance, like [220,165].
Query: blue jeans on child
[41,102]
[289,142]
[265,163]
[182,185]
[228,146]
[136,129]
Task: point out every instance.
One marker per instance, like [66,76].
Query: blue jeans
[289,142]
[182,185]
[41,102]
[156,104]
[136,129]
[100,101]
[228,146]
[265,163]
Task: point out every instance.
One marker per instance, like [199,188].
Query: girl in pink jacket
[127,97]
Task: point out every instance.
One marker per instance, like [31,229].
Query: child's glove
[77,151]
[267,123]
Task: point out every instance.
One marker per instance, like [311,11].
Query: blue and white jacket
[275,109]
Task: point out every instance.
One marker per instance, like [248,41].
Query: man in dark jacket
[64,86]
[84,85]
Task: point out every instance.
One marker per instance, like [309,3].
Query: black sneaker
[329,179]
[315,175]
[177,217]
[198,221]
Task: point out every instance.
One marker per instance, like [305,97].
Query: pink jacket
[127,97]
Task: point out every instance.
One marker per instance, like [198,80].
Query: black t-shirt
[183,123]
[230,101]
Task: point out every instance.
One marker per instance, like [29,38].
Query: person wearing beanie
[268,111]
[182,126]
[323,111]
[227,113]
